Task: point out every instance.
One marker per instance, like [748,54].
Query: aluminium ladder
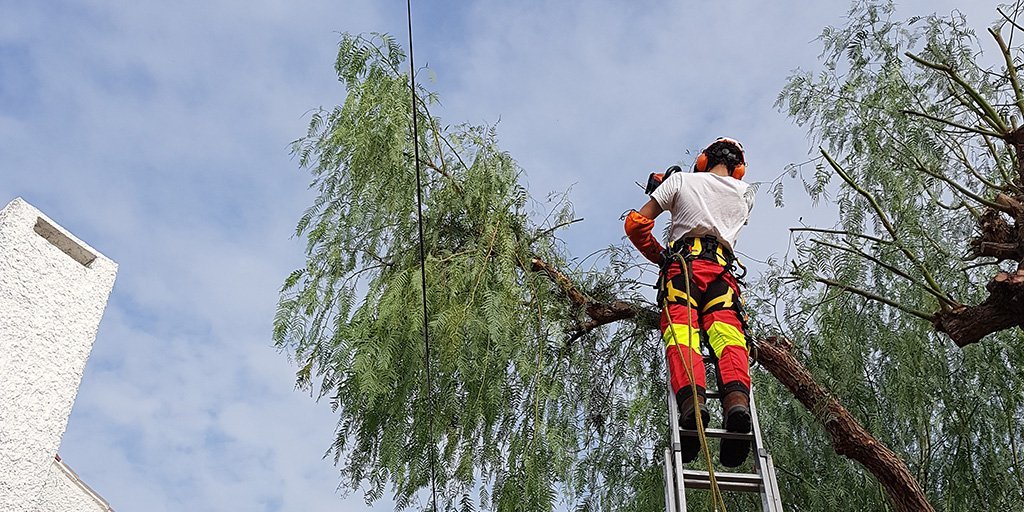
[678,479]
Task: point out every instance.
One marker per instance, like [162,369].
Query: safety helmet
[723,151]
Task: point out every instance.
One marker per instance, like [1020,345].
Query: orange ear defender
[701,164]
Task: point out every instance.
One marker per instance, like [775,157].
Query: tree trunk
[849,438]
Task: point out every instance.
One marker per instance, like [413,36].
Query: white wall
[63,491]
[53,290]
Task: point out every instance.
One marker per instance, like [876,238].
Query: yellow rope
[716,493]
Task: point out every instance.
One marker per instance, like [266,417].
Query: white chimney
[53,290]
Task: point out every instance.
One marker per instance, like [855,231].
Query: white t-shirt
[703,203]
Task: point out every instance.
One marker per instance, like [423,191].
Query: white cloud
[158,133]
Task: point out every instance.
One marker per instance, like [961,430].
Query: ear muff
[739,171]
[701,164]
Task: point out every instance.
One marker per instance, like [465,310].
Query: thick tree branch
[600,313]
[849,438]
[1003,309]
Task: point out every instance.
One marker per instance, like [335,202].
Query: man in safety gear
[708,208]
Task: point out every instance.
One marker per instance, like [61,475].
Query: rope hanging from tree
[423,264]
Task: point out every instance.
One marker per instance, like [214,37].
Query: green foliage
[519,415]
[913,187]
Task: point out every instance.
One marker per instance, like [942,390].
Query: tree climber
[708,209]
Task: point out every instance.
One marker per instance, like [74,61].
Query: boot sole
[689,446]
[733,452]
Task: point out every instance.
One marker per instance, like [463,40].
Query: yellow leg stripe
[678,334]
[722,335]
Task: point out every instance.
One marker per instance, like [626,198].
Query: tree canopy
[548,381]
[920,130]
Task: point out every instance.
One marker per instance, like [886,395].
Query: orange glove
[638,229]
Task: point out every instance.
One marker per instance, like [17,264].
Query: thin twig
[839,232]
[960,188]
[1011,70]
[966,162]
[868,295]
[999,165]
[952,123]
[552,229]
[890,268]
[882,217]
[1007,18]
[995,120]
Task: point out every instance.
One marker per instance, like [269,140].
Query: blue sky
[158,133]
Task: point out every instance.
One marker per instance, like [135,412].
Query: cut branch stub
[997,238]
[1003,309]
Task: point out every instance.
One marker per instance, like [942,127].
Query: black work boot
[736,409]
[690,444]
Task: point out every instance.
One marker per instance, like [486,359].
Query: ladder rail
[771,500]
[676,444]
[677,479]
[670,497]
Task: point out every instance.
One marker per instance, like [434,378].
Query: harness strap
[708,248]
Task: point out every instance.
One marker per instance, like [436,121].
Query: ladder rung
[712,394]
[741,482]
[719,433]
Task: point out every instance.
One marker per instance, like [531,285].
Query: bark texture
[1000,236]
[849,438]
[1003,309]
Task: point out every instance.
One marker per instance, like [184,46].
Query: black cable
[423,262]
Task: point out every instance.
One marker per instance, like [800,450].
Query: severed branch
[600,313]
[849,438]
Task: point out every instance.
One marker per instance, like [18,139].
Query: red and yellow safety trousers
[715,307]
